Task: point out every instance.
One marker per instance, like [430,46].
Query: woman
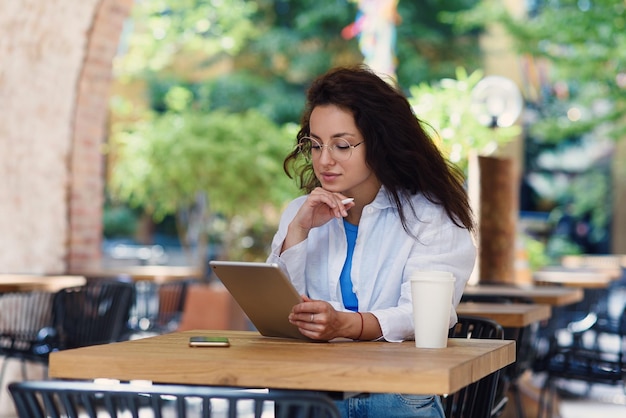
[352,261]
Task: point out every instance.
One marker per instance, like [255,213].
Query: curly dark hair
[383,115]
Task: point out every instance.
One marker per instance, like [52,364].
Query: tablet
[264,293]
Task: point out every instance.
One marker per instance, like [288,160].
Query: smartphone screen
[200,341]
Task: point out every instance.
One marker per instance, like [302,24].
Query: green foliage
[118,221]
[580,201]
[584,42]
[234,159]
[536,250]
[574,52]
[587,190]
[207,92]
[559,246]
[273,49]
[445,107]
[164,31]
[245,90]
[430,46]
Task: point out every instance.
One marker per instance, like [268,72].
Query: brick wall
[55,72]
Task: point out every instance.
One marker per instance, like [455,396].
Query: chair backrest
[477,399]
[26,326]
[42,399]
[25,314]
[172,303]
[525,338]
[95,313]
[158,306]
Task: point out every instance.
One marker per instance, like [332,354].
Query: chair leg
[553,397]
[540,403]
[24,376]
[544,396]
[517,398]
[550,397]
[5,361]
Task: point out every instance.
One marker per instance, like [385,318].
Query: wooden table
[509,315]
[551,295]
[610,262]
[588,279]
[27,282]
[253,361]
[156,274]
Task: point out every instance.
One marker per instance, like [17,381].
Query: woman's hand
[317,319]
[320,207]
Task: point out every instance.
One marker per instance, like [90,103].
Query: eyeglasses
[340,149]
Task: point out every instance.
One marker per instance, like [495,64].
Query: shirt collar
[383,199]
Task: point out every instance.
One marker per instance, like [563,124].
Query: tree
[445,107]
[583,42]
[195,164]
[576,102]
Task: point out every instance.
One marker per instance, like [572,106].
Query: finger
[321,195]
[305,323]
[344,203]
[348,205]
[306,306]
[333,200]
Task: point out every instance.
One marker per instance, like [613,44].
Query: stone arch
[54,88]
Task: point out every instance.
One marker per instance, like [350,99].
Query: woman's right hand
[320,207]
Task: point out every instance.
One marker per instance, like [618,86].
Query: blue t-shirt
[350,300]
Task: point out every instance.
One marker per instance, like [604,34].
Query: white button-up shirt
[384,257]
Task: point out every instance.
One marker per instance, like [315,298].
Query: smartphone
[199,341]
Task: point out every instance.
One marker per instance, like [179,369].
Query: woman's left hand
[318,320]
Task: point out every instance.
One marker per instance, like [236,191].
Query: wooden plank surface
[574,278]
[509,315]
[258,362]
[551,295]
[26,282]
[157,274]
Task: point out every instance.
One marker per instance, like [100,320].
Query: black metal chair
[172,297]
[26,332]
[96,313]
[34,324]
[477,399]
[43,399]
[584,358]
[158,307]
[525,355]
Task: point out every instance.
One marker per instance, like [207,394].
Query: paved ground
[601,402]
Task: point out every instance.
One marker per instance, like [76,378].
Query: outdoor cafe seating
[587,346]
[592,355]
[42,399]
[525,338]
[478,399]
[34,324]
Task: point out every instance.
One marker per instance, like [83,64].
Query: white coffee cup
[432,293]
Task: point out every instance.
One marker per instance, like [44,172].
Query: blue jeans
[391,405]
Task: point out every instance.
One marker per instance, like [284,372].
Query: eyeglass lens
[339,148]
